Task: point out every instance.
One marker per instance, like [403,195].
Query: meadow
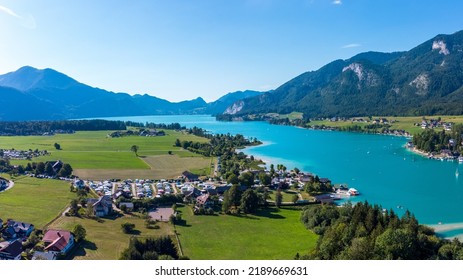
[269,234]
[90,151]
[105,239]
[35,201]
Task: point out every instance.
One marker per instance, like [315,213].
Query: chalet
[204,201]
[15,229]
[11,251]
[60,241]
[190,177]
[306,177]
[102,206]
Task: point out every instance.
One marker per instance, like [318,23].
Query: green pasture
[94,150]
[35,201]
[269,234]
[105,239]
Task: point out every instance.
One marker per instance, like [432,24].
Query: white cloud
[27,21]
[351,46]
[337,2]
[9,12]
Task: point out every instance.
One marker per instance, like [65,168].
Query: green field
[35,201]
[105,239]
[93,150]
[270,234]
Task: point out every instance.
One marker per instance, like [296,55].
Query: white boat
[460,159]
[457,173]
[353,191]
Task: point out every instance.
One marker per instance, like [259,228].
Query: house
[190,177]
[11,251]
[46,256]
[15,229]
[57,165]
[102,206]
[204,201]
[60,241]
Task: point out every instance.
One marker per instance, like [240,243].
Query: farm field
[161,167]
[90,152]
[35,201]
[245,237]
[105,239]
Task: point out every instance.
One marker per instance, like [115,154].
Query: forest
[368,232]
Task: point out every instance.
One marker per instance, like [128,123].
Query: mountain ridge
[425,80]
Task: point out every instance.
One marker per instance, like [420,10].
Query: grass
[36,201]
[93,155]
[161,167]
[269,234]
[105,239]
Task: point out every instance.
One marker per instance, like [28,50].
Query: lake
[378,166]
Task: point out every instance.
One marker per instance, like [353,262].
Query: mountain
[425,80]
[34,94]
[221,104]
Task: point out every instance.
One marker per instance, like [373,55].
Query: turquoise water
[378,166]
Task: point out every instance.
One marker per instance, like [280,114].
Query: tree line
[367,232]
[434,141]
[37,168]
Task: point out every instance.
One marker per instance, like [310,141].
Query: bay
[379,166]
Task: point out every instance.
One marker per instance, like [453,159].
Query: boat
[353,192]
[457,173]
[460,159]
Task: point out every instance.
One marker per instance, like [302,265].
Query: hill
[426,80]
[35,94]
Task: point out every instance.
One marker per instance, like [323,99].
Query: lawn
[36,201]
[105,239]
[270,234]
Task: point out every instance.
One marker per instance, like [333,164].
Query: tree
[178,143]
[246,179]
[233,179]
[57,146]
[90,210]
[134,149]
[65,171]
[79,232]
[231,199]
[49,169]
[127,227]
[296,170]
[73,207]
[265,179]
[278,198]
[40,169]
[249,201]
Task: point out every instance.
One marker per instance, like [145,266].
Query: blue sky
[179,50]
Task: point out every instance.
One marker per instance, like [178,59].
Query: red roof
[56,239]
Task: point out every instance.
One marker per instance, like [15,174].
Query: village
[114,197]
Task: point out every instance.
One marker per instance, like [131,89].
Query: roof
[49,256]
[202,199]
[12,250]
[19,226]
[58,239]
